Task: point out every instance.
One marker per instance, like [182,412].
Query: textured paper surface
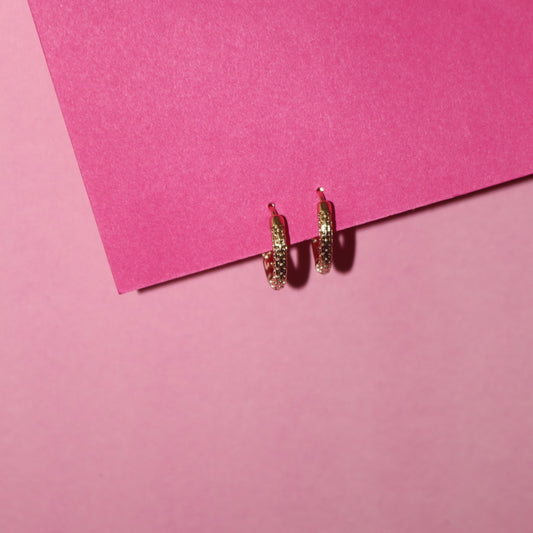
[188,117]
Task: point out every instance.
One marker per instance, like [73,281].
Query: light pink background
[188,117]
[395,397]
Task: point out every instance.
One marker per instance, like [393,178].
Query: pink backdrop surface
[392,396]
[188,117]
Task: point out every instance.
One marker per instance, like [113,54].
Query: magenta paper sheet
[188,117]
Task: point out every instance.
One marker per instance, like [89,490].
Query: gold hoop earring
[275,261]
[323,244]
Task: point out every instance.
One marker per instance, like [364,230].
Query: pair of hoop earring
[275,261]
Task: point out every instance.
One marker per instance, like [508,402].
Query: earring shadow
[298,273]
[344,250]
